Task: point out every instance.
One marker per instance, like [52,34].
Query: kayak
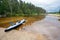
[15,25]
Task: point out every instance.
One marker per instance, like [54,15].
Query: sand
[19,35]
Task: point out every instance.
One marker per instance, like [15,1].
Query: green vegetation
[59,11]
[19,8]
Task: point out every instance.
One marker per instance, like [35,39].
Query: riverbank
[46,29]
[5,22]
[58,15]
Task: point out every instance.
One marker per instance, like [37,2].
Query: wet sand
[19,35]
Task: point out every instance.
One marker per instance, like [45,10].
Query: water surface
[48,27]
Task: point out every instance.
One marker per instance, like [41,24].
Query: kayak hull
[6,30]
[15,26]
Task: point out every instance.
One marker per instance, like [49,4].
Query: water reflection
[52,19]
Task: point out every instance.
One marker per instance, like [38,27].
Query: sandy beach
[19,35]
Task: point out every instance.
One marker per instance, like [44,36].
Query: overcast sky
[49,5]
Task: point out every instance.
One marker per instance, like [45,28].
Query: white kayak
[15,25]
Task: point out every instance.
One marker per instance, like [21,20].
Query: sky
[48,5]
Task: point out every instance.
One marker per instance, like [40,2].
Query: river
[48,27]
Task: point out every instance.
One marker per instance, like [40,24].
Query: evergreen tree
[15,7]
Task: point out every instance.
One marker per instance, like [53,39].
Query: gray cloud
[50,6]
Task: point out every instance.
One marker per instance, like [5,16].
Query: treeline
[59,11]
[19,8]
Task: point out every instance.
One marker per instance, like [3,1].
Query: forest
[10,8]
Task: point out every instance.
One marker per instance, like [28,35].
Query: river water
[49,27]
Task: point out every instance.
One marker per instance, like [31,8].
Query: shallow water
[48,27]
[5,22]
[52,19]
